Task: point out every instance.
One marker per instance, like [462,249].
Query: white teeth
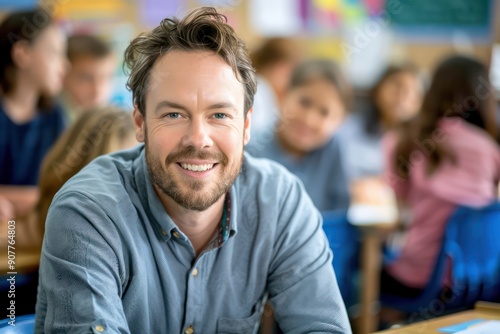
[197,168]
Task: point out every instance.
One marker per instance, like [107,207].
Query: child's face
[90,81]
[399,98]
[46,64]
[311,114]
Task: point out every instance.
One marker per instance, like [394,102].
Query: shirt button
[195,272]
[163,232]
[189,330]
[176,234]
[100,329]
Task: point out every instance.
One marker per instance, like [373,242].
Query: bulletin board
[440,20]
[310,17]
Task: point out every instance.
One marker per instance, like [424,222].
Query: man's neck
[198,226]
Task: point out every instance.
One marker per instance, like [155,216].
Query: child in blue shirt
[32,69]
[315,105]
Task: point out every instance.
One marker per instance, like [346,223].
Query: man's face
[90,81]
[194,128]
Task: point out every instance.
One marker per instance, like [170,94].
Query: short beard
[192,200]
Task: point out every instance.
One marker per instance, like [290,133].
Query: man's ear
[247,127]
[139,125]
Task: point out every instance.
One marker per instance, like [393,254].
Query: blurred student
[89,82]
[274,61]
[315,105]
[395,98]
[32,66]
[96,132]
[444,158]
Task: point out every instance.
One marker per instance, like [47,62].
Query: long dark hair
[16,27]
[460,88]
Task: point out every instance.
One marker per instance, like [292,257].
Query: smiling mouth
[197,168]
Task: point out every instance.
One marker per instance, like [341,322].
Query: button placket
[195,291]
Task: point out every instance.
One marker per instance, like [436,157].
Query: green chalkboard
[441,13]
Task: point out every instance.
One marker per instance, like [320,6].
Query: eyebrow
[169,104]
[222,105]
[173,105]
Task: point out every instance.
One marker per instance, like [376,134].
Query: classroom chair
[344,243]
[471,242]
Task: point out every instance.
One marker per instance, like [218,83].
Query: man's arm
[80,286]
[302,284]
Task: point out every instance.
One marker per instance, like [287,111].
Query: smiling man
[187,233]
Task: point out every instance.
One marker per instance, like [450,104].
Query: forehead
[402,76]
[200,70]
[92,62]
[52,34]
[318,86]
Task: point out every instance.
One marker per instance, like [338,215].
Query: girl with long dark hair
[446,157]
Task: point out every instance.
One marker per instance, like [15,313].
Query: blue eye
[220,116]
[173,115]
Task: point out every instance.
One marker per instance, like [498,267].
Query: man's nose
[198,135]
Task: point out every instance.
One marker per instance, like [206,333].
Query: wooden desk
[371,261]
[482,310]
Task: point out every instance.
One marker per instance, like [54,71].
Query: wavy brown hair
[96,132]
[460,88]
[203,29]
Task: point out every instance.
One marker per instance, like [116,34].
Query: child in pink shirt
[446,157]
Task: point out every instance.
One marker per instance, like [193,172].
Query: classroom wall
[127,19]
[423,54]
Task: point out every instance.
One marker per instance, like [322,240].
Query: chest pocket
[248,325]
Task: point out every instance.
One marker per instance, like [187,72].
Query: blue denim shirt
[113,261]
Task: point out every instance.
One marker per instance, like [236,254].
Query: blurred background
[362,35]
[388,51]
